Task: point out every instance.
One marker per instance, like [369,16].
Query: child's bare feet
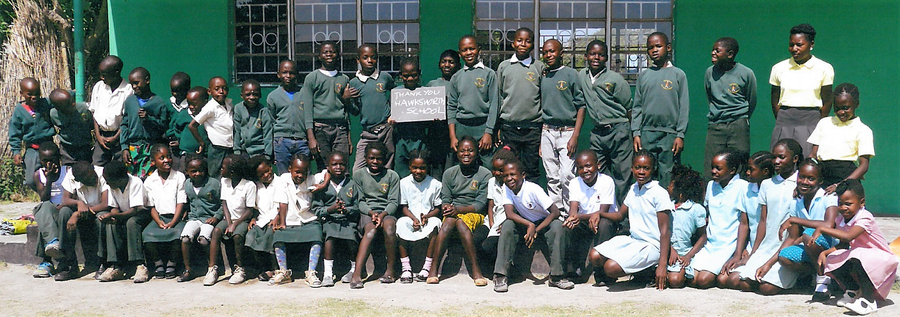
[356,283]
[387,278]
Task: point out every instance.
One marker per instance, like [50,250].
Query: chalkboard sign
[422,104]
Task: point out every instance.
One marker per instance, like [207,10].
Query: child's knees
[675,280]
[595,258]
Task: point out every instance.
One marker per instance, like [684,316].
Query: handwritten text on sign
[422,104]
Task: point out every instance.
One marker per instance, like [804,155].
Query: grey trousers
[582,239]
[331,137]
[87,228]
[45,214]
[510,235]
[614,145]
[660,145]
[121,241]
[720,136]
[383,133]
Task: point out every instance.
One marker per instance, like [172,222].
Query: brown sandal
[433,280]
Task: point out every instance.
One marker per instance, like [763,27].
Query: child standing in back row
[731,91]
[324,97]
[519,83]
[142,123]
[439,132]
[217,118]
[563,107]
[183,140]
[252,123]
[290,132]
[843,139]
[74,125]
[473,101]
[408,136]
[661,107]
[370,93]
[107,101]
[29,127]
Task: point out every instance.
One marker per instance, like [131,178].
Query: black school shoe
[63,275]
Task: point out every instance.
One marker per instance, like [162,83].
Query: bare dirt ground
[22,295]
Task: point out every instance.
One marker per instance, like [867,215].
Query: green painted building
[241,39]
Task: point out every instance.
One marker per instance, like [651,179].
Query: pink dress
[870,249]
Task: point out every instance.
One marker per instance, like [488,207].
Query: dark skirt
[260,239]
[310,232]
[834,171]
[340,229]
[797,124]
[153,233]
[239,230]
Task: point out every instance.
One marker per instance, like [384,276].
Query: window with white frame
[575,23]
[297,28]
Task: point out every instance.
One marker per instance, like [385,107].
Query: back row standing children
[563,115]
[291,132]
[179,85]
[839,141]
[252,123]
[217,118]
[439,133]
[74,125]
[731,90]
[107,102]
[472,101]
[323,96]
[144,123]
[30,126]
[607,97]
[183,141]
[519,84]
[370,98]
[408,136]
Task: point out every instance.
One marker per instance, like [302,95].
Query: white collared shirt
[159,192]
[265,203]
[90,195]
[364,78]
[422,197]
[643,205]
[495,192]
[527,62]
[531,202]
[108,104]
[297,197]
[178,106]
[240,197]
[218,121]
[595,77]
[590,198]
[132,197]
[479,65]
[329,73]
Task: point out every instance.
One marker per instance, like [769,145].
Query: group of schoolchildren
[164,175]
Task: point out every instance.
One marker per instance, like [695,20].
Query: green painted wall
[167,36]
[441,24]
[851,36]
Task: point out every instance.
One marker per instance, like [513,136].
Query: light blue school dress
[816,212]
[750,206]
[686,219]
[724,205]
[777,194]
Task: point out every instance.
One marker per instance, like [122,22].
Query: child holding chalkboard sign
[371,100]
[438,134]
[408,136]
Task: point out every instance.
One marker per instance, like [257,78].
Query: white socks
[822,283]
[404,263]
[352,266]
[329,267]
[426,267]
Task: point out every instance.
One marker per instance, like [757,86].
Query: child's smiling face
[409,74]
[287,72]
[196,172]
[469,51]
[139,83]
[845,107]
[466,153]
[721,54]
[721,172]
[849,203]
[523,44]
[328,56]
[754,173]
[299,171]
[448,66]
[497,169]
[218,89]
[195,102]
[596,57]
[418,168]
[264,173]
[514,177]
[162,161]
[809,179]
[250,94]
[642,168]
[785,160]
[552,51]
[337,166]
[226,171]
[375,160]
[586,167]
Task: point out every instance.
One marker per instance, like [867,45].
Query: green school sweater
[325,198]
[439,82]
[252,130]
[474,94]
[374,102]
[178,130]
[520,91]
[137,131]
[288,114]
[561,96]
[323,93]
[379,193]
[30,127]
[661,101]
[608,99]
[206,203]
[458,189]
[731,94]
[74,128]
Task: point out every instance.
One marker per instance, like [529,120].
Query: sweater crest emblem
[379,87]
[384,188]
[562,85]
[609,87]
[474,185]
[479,82]
[337,88]
[531,76]
[734,88]
[667,84]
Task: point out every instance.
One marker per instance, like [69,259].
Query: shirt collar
[479,65]
[329,73]
[365,78]
[515,59]
[560,67]
[686,205]
[837,121]
[809,64]
[178,106]
[792,178]
[754,187]
[647,186]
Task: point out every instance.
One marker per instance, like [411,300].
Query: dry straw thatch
[34,49]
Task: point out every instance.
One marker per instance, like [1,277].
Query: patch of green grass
[3,265]
[896,288]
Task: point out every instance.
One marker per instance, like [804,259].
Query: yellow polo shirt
[842,141]
[801,84]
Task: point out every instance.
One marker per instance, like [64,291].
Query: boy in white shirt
[592,197]
[107,101]
[217,118]
[530,210]
[125,221]
[85,195]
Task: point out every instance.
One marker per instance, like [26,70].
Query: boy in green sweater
[142,123]
[323,98]
[179,85]
[562,100]
[182,139]
[252,123]
[608,100]
[519,81]
[472,100]
[74,123]
[661,107]
[370,98]
[290,132]
[29,127]
[438,135]
[731,90]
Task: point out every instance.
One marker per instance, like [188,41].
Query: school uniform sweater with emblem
[474,95]
[731,94]
[661,101]
[345,192]
[178,130]
[608,97]
[374,102]
[288,114]
[207,202]
[30,127]
[520,90]
[321,98]
[253,130]
[378,193]
[561,96]
[150,129]
[74,128]
[439,82]
[461,190]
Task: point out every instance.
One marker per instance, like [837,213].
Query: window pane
[261,39]
[642,9]
[628,46]
[394,40]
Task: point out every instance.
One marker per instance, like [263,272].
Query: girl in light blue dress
[688,219]
[759,167]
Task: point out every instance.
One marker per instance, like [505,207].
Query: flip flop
[356,285]
[386,279]
[481,282]
[433,280]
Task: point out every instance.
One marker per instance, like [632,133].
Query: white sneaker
[862,306]
[238,277]
[849,297]
[212,275]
